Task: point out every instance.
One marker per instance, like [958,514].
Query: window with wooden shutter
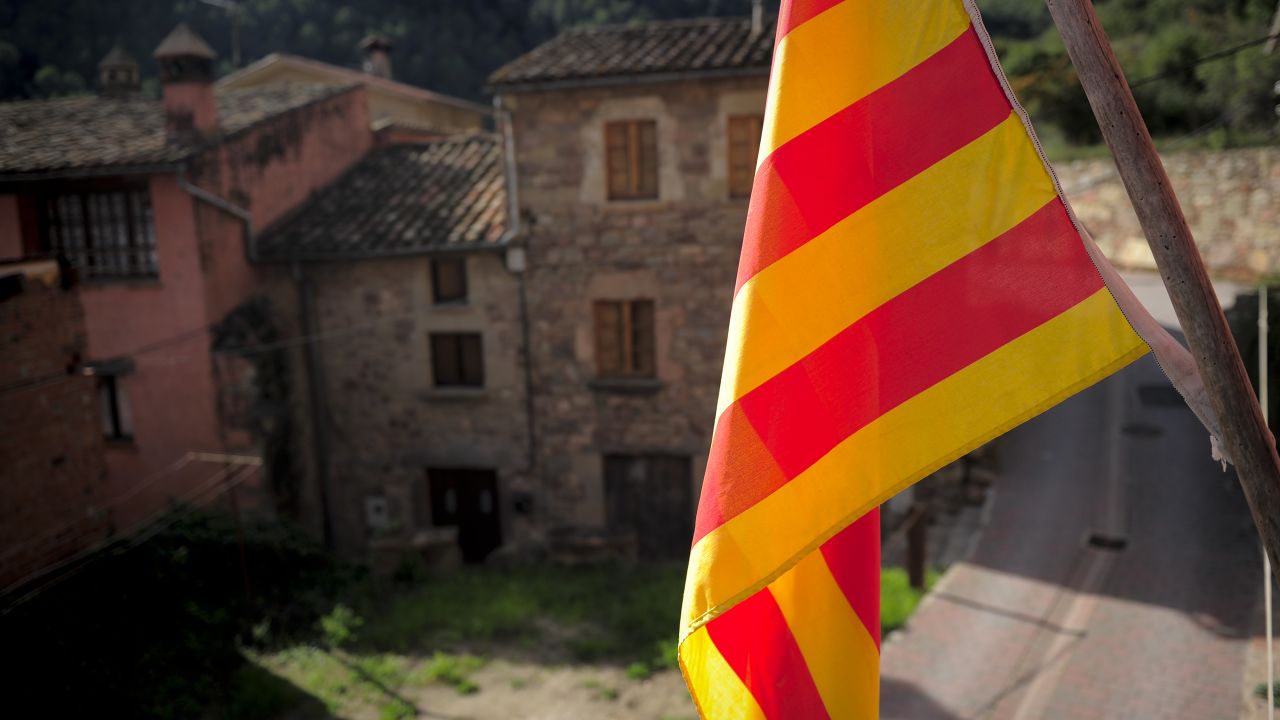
[449,280]
[631,159]
[457,359]
[744,147]
[624,332]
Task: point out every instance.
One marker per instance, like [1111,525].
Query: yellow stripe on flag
[985,399]
[803,299]
[842,656]
[866,43]
[716,687]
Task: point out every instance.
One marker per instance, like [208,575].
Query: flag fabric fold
[912,284]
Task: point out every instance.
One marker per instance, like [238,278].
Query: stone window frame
[637,138]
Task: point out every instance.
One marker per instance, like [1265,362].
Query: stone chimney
[377,55]
[118,74]
[186,74]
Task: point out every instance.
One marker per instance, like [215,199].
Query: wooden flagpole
[1245,436]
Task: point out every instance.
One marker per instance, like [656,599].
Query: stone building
[408,284]
[154,204]
[635,148]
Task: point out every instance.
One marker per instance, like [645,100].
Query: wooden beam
[1245,436]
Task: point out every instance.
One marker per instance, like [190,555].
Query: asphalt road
[1118,575]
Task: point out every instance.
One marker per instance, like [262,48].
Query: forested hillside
[51,47]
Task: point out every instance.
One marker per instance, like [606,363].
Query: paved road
[1039,623]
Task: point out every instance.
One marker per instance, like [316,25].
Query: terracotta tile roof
[400,200]
[89,131]
[673,46]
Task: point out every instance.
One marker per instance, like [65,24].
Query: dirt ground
[511,690]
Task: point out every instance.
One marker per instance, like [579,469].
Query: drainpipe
[305,317]
[503,117]
[208,198]
[319,407]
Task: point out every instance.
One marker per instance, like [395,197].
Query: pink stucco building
[155,203]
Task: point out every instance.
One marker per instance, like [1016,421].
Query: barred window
[102,233]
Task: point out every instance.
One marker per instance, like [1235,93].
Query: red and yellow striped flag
[911,285]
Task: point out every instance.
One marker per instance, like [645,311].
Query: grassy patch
[1261,691]
[898,599]
[589,614]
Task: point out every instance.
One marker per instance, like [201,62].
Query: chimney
[186,74]
[757,17]
[118,74]
[377,55]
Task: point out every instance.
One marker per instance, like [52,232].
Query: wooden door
[651,497]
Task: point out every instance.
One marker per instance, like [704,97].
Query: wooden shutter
[609,339]
[631,159]
[445,361]
[617,159]
[744,147]
[646,145]
[471,359]
[642,338]
[449,280]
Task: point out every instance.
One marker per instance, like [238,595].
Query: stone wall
[1231,199]
[681,251]
[387,421]
[52,467]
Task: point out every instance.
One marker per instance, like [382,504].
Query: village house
[407,281]
[153,204]
[635,151]
[399,112]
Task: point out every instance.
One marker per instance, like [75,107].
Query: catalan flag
[912,284]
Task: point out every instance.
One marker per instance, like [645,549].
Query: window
[624,332]
[117,420]
[449,280]
[631,159]
[744,147]
[457,359]
[105,233]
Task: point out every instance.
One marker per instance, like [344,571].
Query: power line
[1220,55]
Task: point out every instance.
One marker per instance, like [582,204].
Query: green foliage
[154,630]
[639,671]
[454,670]
[1260,690]
[340,626]
[898,599]
[611,613]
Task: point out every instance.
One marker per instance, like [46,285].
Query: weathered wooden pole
[1245,436]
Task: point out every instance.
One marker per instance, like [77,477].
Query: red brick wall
[51,450]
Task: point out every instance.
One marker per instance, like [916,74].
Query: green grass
[1261,691]
[590,614]
[898,599]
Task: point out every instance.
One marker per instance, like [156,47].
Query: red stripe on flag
[755,641]
[961,313]
[853,557]
[844,162]
[794,13]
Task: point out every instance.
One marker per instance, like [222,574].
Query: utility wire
[1220,55]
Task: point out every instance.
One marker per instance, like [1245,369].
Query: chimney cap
[116,58]
[184,42]
[376,42]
